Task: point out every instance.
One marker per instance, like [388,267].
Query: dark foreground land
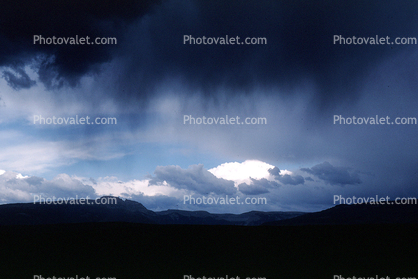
[125,250]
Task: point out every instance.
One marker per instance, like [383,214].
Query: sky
[299,80]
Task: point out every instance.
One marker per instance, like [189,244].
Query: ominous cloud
[286,178]
[258,186]
[20,21]
[334,175]
[18,78]
[299,46]
[150,43]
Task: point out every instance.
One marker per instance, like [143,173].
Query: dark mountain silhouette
[126,211]
[134,212]
[356,214]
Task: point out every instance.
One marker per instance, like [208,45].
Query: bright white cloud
[20,176]
[14,187]
[241,172]
[113,186]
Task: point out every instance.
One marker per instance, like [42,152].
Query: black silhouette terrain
[126,211]
[360,241]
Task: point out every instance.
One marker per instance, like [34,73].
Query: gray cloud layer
[258,186]
[196,178]
[334,175]
[286,179]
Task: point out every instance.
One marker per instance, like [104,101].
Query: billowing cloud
[242,172]
[17,188]
[274,171]
[334,175]
[258,186]
[292,180]
[286,178]
[195,178]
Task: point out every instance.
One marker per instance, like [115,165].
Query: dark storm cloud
[299,42]
[195,178]
[334,175]
[18,79]
[258,186]
[286,179]
[21,20]
[299,45]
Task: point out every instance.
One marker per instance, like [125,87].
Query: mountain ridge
[134,212]
[126,211]
[356,214]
